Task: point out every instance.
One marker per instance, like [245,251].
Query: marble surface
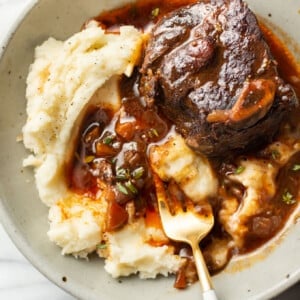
[18,278]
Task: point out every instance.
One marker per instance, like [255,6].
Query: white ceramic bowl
[259,276]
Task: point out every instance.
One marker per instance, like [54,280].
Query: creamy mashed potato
[61,82]
[259,179]
[130,253]
[76,224]
[65,78]
[192,172]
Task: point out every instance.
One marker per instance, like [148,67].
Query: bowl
[260,275]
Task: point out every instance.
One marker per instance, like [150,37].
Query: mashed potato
[60,85]
[130,253]
[259,180]
[192,172]
[76,224]
[65,78]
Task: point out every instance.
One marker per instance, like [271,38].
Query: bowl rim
[16,24]
[5,219]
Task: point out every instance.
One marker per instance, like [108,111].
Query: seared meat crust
[210,70]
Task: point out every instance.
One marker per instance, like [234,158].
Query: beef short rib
[210,70]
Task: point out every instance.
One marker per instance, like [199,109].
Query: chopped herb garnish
[153,132]
[101,246]
[108,139]
[275,154]
[138,173]
[239,170]
[122,188]
[288,198]
[89,158]
[113,160]
[131,187]
[122,174]
[296,167]
[155,12]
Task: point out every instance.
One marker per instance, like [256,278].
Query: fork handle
[209,295]
[203,274]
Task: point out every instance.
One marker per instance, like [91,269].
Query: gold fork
[187,226]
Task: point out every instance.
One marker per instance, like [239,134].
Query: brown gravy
[111,150]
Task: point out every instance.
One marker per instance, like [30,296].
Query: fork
[187,225]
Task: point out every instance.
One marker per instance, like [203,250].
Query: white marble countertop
[18,278]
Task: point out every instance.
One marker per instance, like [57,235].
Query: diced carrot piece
[125,130]
[117,216]
[104,150]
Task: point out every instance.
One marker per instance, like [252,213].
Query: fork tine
[190,205]
[161,197]
[168,196]
[170,225]
[176,203]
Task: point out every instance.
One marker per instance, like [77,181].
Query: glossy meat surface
[209,68]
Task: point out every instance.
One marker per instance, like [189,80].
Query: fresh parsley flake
[122,188]
[153,132]
[122,174]
[138,172]
[296,167]
[240,170]
[275,154]
[89,159]
[155,12]
[131,187]
[113,160]
[108,139]
[288,198]
[101,246]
